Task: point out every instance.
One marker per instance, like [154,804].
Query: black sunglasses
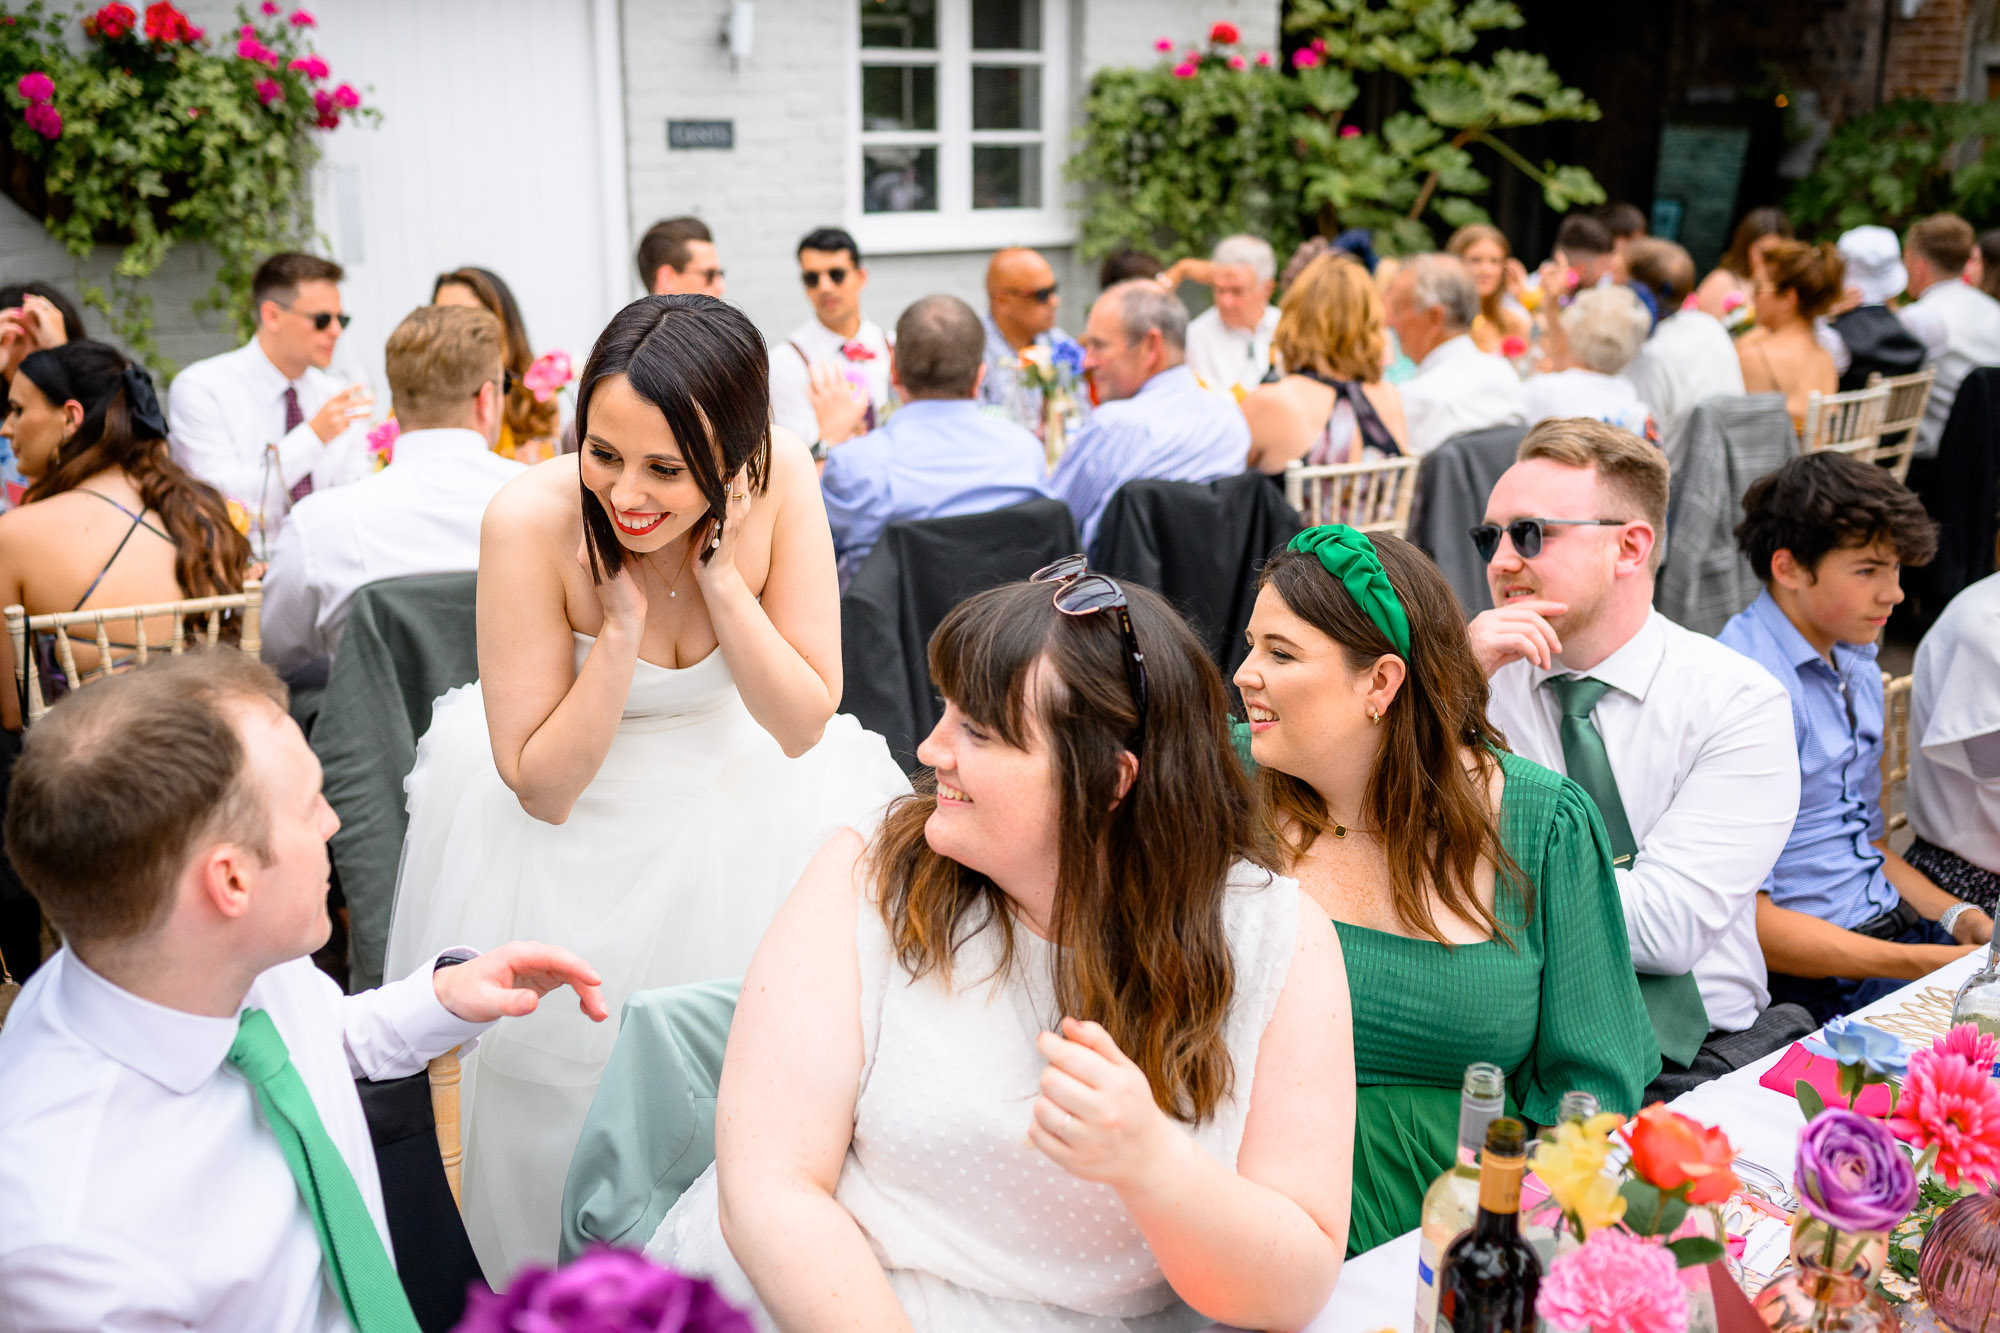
[506,385]
[1527,533]
[1039,295]
[836,276]
[1081,593]
[321,319]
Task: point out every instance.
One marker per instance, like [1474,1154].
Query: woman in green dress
[1472,890]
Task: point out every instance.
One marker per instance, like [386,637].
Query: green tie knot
[258,1049]
[1576,696]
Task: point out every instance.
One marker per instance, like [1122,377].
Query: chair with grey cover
[1731,440]
[1452,486]
[651,1128]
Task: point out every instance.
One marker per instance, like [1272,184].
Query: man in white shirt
[1690,358]
[171,823]
[1954,793]
[1229,344]
[836,354]
[1431,303]
[1685,745]
[418,515]
[677,257]
[1958,324]
[266,424]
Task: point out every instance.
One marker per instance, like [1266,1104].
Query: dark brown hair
[1435,811]
[1755,226]
[1582,234]
[528,419]
[1140,883]
[124,779]
[1814,272]
[1825,501]
[703,364]
[1946,240]
[278,278]
[665,245]
[210,555]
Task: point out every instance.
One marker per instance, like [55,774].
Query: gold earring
[1374,716]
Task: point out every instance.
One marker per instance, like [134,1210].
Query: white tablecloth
[1378,1289]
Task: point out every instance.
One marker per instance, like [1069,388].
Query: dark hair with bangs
[703,364]
[1140,883]
[1825,501]
[1434,810]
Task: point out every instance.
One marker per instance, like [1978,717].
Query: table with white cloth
[1378,1288]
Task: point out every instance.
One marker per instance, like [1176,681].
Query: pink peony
[269,91]
[1615,1283]
[1304,58]
[1164,45]
[36,88]
[1186,70]
[301,19]
[311,66]
[345,96]
[1238,62]
[1224,34]
[550,371]
[1951,1105]
[44,120]
[1263,60]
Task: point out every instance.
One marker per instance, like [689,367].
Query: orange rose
[1669,1150]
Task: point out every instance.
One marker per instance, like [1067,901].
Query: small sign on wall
[701,134]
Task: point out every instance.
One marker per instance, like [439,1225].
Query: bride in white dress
[911,1135]
[651,755]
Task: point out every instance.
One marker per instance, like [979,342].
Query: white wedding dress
[976,1228]
[670,866]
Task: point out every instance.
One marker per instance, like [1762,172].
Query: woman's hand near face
[716,563]
[1096,1117]
[620,596]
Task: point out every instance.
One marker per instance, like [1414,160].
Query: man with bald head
[1154,420]
[1022,298]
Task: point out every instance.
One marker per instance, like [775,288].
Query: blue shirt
[1829,869]
[1171,430]
[933,458]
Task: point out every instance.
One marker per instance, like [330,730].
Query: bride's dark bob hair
[703,364]
[1140,881]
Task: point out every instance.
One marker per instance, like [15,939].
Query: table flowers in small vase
[1052,371]
[603,1290]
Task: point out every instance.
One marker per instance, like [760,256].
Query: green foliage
[1650,1211]
[165,142]
[1902,162]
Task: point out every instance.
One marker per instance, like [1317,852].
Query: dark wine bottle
[1489,1276]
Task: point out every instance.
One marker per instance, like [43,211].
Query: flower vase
[1829,1286]
[1055,419]
[1960,1265]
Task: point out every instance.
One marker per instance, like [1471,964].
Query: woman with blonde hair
[528,430]
[1332,405]
[1484,252]
[1798,284]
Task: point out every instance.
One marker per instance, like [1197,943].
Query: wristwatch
[818,451]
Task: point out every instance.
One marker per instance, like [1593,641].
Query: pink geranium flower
[269,6]
[1224,34]
[1950,1107]
[1263,60]
[1186,70]
[1304,58]
[345,96]
[1318,46]
[311,66]
[269,91]
[44,120]
[1238,62]
[1615,1283]
[1350,131]
[36,88]
[301,19]
[550,371]
[1164,45]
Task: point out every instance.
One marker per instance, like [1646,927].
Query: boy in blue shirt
[1842,919]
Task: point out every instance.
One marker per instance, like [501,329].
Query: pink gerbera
[1968,1042]
[1951,1105]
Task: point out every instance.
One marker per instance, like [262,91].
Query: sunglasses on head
[1527,533]
[1081,593]
[319,319]
[836,276]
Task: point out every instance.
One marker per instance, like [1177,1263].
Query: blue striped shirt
[1171,430]
[1829,868]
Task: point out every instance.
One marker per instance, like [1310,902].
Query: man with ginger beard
[1684,745]
[1022,298]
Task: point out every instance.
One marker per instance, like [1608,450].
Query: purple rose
[604,1291]
[1852,1174]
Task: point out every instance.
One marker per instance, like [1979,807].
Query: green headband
[1349,556]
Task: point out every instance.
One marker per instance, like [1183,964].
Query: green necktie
[357,1263]
[1680,1020]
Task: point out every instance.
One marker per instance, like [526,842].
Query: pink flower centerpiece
[1949,1108]
[1615,1283]
[548,374]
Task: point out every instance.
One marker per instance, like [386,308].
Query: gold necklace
[673,589]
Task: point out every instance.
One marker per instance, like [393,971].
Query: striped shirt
[1171,430]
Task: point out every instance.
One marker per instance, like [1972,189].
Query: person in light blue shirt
[938,454]
[1154,420]
[1842,919]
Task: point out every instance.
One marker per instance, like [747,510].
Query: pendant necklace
[673,589]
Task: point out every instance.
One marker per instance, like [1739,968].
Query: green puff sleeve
[1239,740]
[1593,1035]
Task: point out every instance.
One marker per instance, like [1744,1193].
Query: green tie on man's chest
[1680,1020]
[358,1266]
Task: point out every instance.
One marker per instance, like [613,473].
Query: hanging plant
[155,135]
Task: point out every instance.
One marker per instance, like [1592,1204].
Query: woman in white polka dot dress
[915,1132]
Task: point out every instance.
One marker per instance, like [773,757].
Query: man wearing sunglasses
[268,423]
[1684,745]
[830,378]
[1022,297]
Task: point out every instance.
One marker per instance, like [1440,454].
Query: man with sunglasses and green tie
[1684,745]
[830,377]
[269,423]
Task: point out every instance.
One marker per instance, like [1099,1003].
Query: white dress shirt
[1578,392]
[1700,739]
[1959,326]
[142,1187]
[1460,388]
[226,425]
[1225,359]
[1689,359]
[1955,700]
[791,407]
[418,515]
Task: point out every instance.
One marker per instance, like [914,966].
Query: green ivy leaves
[1902,162]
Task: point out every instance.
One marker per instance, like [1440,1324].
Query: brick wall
[1928,53]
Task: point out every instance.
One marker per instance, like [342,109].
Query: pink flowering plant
[132,124]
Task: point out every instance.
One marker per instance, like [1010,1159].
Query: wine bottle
[1453,1198]
[1489,1276]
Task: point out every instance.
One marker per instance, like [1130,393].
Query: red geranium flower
[1224,34]
[164,23]
[111,22]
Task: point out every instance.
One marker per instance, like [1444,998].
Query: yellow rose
[1570,1163]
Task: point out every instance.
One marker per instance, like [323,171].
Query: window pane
[899,180]
[898,97]
[1007,176]
[1006,25]
[1006,97]
[909,24]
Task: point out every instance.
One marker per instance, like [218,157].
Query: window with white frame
[960,117]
